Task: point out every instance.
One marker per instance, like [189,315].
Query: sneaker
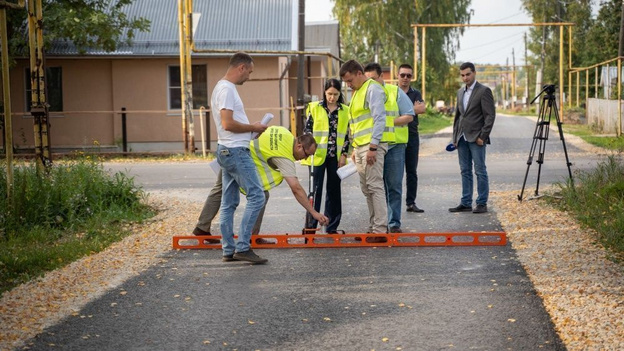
[249,256]
[460,208]
[395,230]
[480,209]
[200,232]
[228,258]
[414,208]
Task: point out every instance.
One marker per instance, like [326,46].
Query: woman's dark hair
[334,83]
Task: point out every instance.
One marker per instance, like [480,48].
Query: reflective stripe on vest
[321,131]
[361,120]
[276,141]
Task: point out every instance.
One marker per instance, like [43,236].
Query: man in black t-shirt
[404,76]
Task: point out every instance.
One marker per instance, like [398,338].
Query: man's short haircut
[351,66]
[406,65]
[467,65]
[240,58]
[306,140]
[373,66]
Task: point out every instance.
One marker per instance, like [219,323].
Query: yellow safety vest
[276,141]
[360,119]
[321,131]
[401,133]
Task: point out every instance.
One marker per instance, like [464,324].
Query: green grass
[56,218]
[588,134]
[597,201]
[432,121]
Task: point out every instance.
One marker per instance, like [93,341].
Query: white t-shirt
[225,96]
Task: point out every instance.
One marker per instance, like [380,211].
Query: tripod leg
[565,149]
[537,137]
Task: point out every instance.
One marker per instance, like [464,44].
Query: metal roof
[223,24]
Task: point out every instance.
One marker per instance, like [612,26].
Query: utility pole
[513,79]
[528,75]
[300,67]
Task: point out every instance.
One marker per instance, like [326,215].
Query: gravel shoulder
[582,289]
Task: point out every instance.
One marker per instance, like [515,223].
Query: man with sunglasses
[404,76]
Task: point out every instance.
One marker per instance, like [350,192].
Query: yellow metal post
[619,92]
[424,65]
[415,52]
[596,84]
[578,87]
[586,87]
[188,71]
[39,105]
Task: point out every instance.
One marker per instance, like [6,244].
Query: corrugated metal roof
[224,24]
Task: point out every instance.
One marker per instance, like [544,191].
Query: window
[54,82]
[200,87]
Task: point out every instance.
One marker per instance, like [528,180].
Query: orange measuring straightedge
[285,241]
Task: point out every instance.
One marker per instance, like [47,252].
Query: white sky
[480,45]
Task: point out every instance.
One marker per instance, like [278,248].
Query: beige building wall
[96,89]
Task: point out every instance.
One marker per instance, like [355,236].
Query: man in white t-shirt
[234,157]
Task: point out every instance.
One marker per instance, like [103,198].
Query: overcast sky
[481,45]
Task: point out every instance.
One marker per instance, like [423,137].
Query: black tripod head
[549,89]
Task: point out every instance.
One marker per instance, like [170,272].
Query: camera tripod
[547,108]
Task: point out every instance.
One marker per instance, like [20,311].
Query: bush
[598,202]
[54,218]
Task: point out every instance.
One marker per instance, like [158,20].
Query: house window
[200,87]
[54,82]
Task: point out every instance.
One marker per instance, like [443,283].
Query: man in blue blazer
[474,118]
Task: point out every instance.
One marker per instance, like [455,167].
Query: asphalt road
[456,298]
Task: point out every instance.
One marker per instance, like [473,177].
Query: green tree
[603,37]
[89,24]
[544,41]
[365,22]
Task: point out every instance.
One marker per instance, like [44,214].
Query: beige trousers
[372,185]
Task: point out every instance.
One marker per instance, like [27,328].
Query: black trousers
[411,163]
[333,201]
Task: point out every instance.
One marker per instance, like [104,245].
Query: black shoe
[460,208]
[249,256]
[480,209]
[228,258]
[200,232]
[395,230]
[414,208]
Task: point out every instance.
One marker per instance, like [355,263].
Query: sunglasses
[405,75]
[305,152]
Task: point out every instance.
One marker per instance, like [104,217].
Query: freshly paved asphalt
[457,298]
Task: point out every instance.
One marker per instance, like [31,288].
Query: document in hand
[346,170]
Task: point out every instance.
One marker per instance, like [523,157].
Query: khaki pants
[372,185]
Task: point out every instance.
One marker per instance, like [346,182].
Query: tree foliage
[89,24]
[594,40]
[365,22]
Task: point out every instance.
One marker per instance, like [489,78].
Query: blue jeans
[469,154]
[393,180]
[239,172]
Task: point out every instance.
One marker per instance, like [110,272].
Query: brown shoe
[414,208]
[228,258]
[249,256]
[480,209]
[395,230]
[200,232]
[460,208]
